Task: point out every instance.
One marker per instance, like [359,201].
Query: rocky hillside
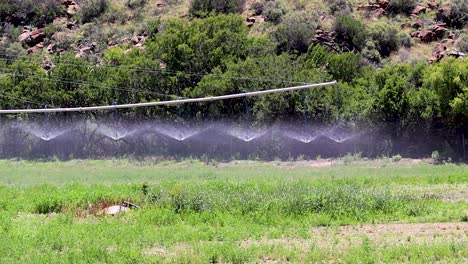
[420,30]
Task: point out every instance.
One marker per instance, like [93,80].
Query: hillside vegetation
[400,64]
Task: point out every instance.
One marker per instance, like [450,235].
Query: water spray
[463,144]
[116,120]
[338,102]
[246,106]
[304,102]
[179,109]
[46,128]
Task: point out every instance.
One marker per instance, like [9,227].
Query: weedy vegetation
[229,213]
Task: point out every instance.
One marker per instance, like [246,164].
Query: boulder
[452,35]
[115,210]
[417,24]
[440,48]
[377,13]
[70,25]
[251,19]
[439,29]
[32,37]
[325,38]
[135,40]
[419,10]
[86,50]
[48,66]
[369,7]
[457,54]
[60,21]
[447,41]
[383,3]
[24,37]
[415,34]
[38,47]
[427,35]
[438,53]
[51,48]
[71,10]
[124,40]
[160,4]
[37,36]
[112,43]
[443,13]
[72,7]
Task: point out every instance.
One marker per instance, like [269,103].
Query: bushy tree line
[215,56]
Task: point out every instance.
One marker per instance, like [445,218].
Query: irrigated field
[301,212]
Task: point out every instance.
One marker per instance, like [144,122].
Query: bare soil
[325,163]
[381,234]
[342,238]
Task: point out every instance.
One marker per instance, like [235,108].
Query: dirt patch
[381,235]
[95,209]
[322,163]
[169,253]
[325,163]
[399,229]
[450,193]
[155,251]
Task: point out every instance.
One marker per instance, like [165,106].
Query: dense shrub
[295,33]
[37,13]
[273,12]
[201,8]
[462,43]
[449,80]
[152,28]
[201,45]
[350,32]
[90,9]
[391,105]
[258,7]
[370,52]
[345,66]
[340,7]
[136,3]
[405,39]
[385,38]
[457,17]
[401,6]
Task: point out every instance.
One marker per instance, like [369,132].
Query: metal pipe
[171,102]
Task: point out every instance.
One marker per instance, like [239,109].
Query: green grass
[236,213]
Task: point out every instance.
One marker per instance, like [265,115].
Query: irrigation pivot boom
[170,102]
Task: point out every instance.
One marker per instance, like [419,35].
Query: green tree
[448,79]
[260,73]
[202,44]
